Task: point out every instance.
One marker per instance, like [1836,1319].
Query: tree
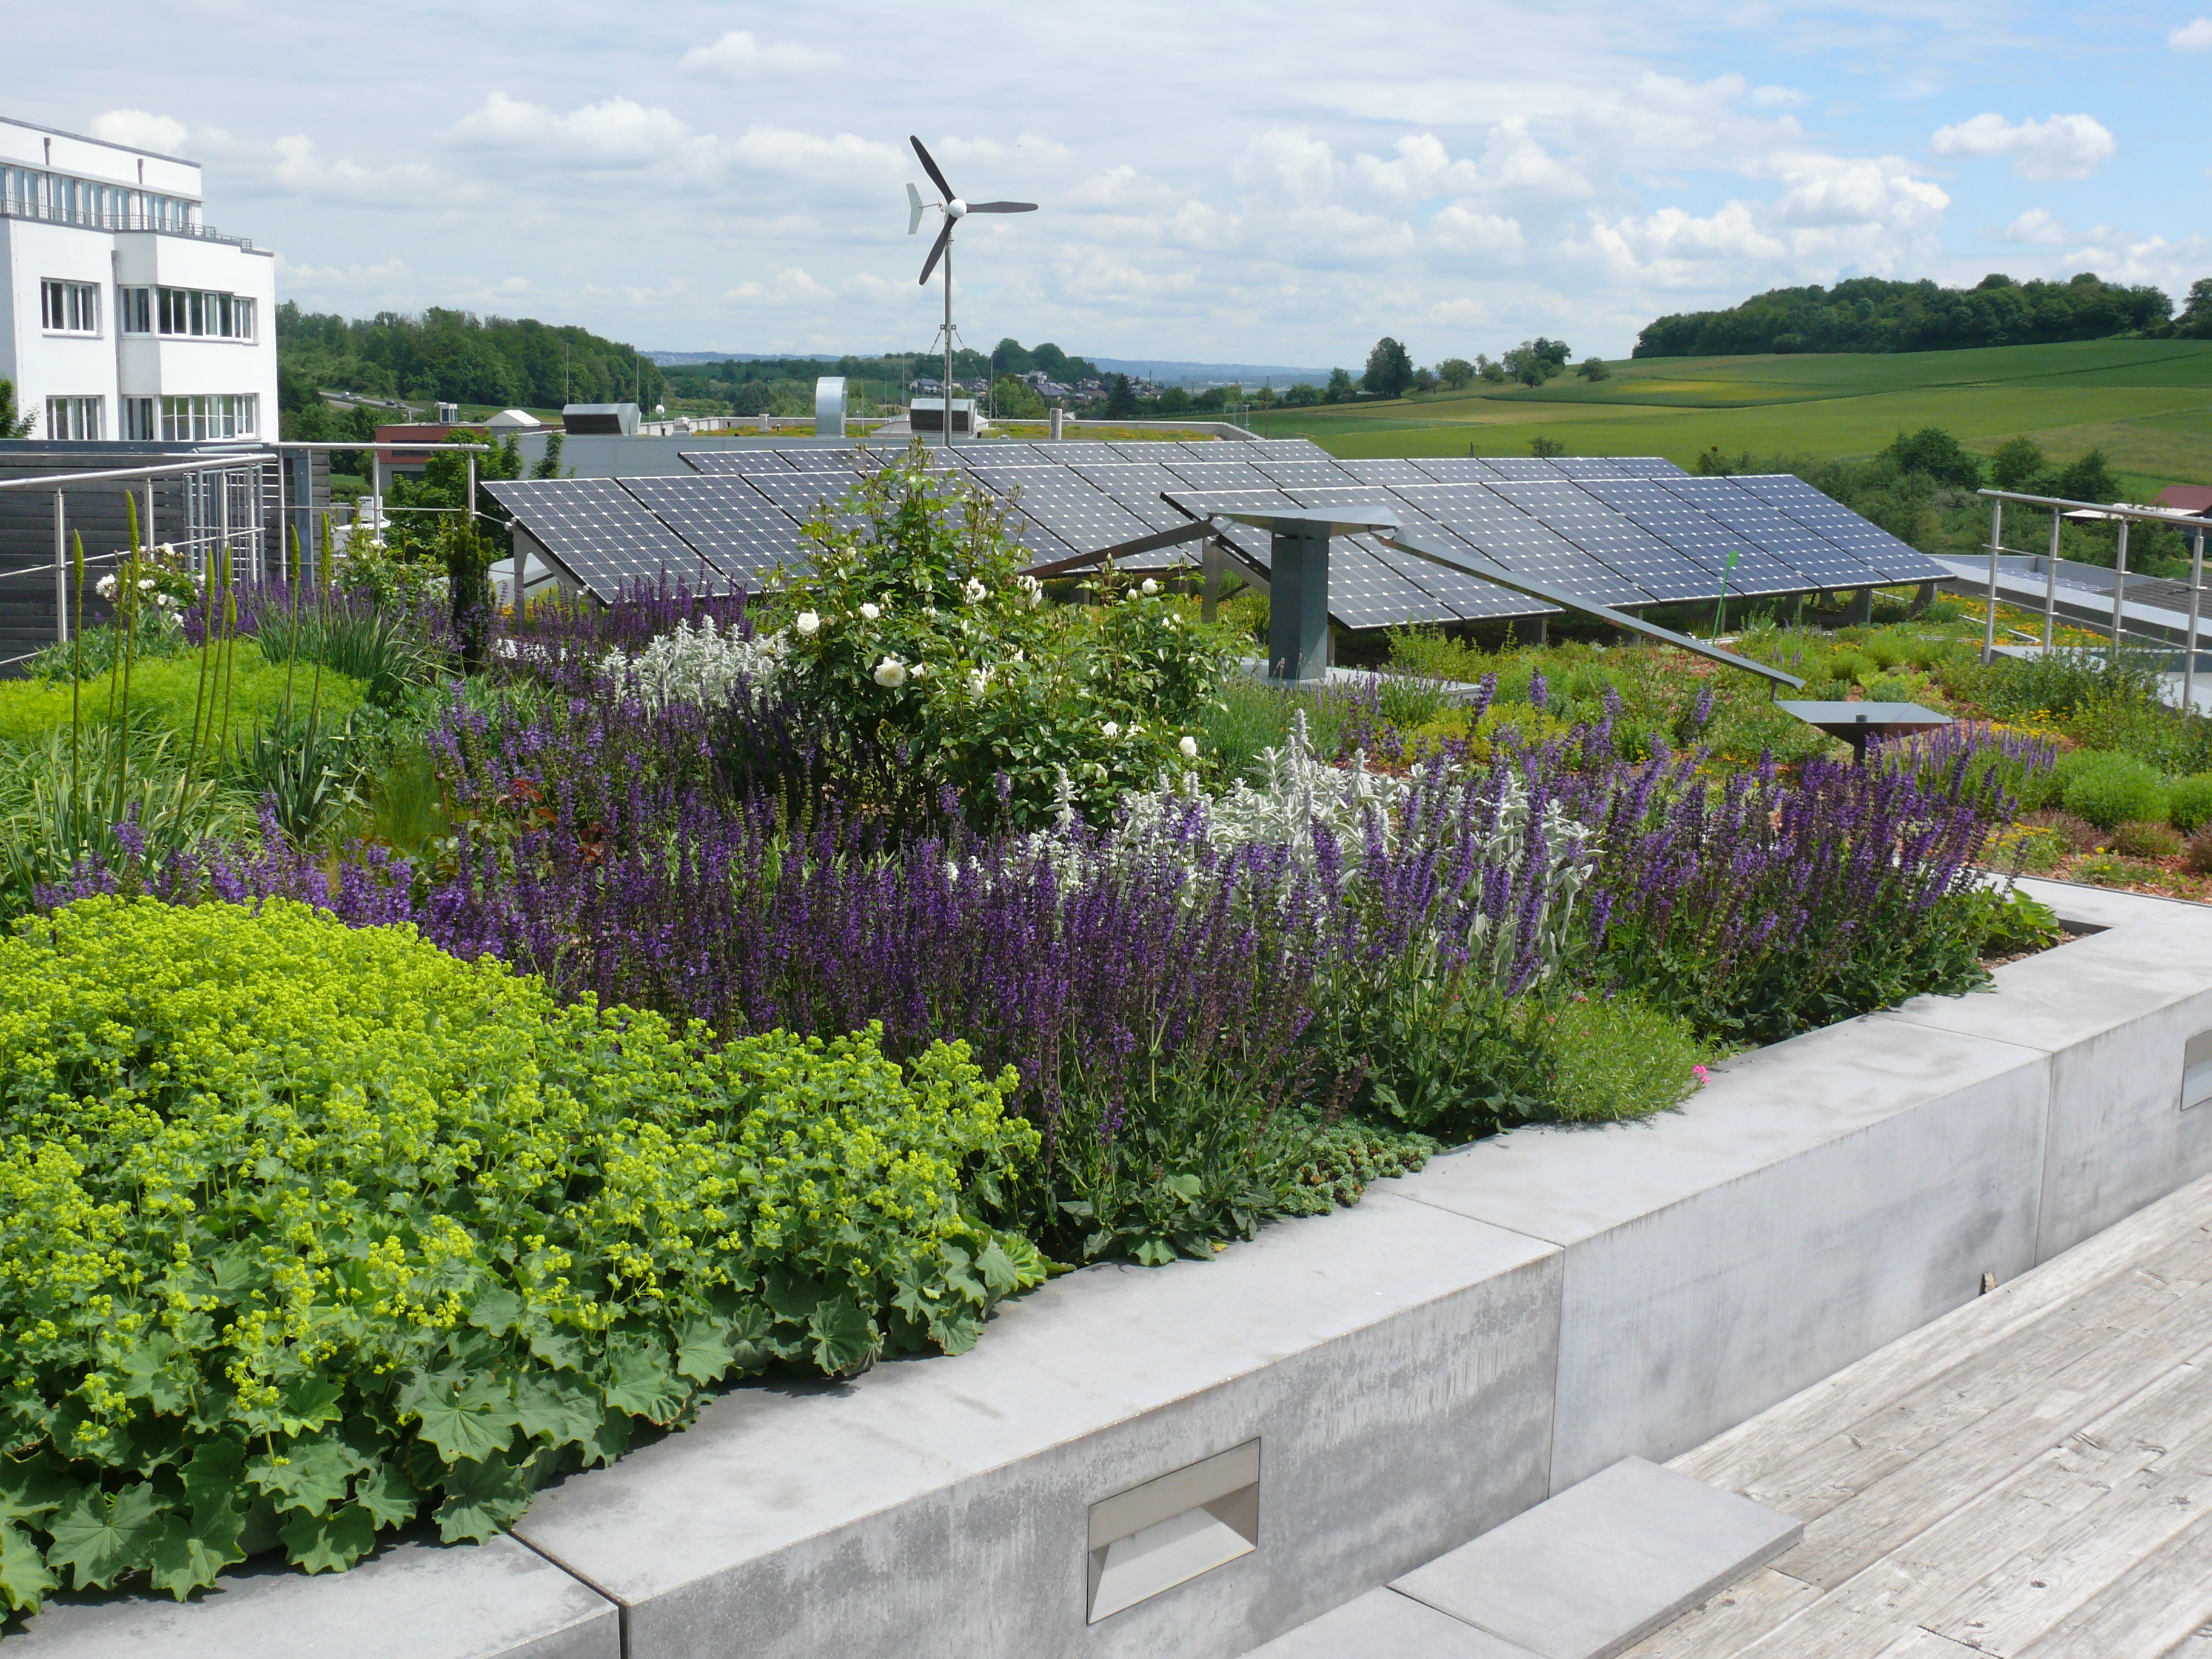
[2017,464]
[1015,399]
[1303,395]
[1534,362]
[1121,399]
[2196,318]
[1390,369]
[1457,372]
[1490,368]
[1339,386]
[1173,400]
[12,425]
[1934,453]
[1594,368]
[2089,479]
[1425,380]
[1541,446]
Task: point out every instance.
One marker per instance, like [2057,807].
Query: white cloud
[2036,226]
[141,128]
[296,167]
[737,56]
[1459,228]
[1287,164]
[2064,146]
[1832,191]
[615,133]
[292,276]
[2193,37]
[799,155]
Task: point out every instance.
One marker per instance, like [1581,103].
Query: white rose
[890,674]
[974,591]
[1150,587]
[1189,747]
[809,624]
[168,550]
[978,681]
[145,583]
[1112,728]
[920,669]
[104,588]
[1033,591]
[163,600]
[870,612]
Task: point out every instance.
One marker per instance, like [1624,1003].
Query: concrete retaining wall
[1465,1341]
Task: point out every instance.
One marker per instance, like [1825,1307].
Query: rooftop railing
[86,220]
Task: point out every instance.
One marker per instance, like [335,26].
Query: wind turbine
[954,211]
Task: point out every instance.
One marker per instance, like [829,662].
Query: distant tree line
[1871,313]
[456,356]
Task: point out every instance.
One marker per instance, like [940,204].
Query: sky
[1255,183]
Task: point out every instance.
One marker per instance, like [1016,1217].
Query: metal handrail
[131,221]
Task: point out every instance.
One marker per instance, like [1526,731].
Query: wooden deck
[2030,1476]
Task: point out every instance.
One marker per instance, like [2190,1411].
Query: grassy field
[2147,403]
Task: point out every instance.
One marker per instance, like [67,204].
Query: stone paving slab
[1590,1573]
[1384,1624]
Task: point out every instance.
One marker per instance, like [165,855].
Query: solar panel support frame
[1604,613]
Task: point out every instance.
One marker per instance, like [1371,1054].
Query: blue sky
[1228,182]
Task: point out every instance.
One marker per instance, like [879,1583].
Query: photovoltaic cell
[1870,544]
[739,532]
[1499,530]
[1821,562]
[1386,472]
[732,461]
[1220,475]
[824,458]
[1702,539]
[1069,505]
[1456,469]
[597,530]
[1616,542]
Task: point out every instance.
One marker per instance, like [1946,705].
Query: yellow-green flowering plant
[306,1230]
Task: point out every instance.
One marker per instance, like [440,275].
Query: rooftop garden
[442,1048]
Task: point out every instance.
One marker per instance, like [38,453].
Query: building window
[194,420]
[74,419]
[134,309]
[138,419]
[191,313]
[69,307]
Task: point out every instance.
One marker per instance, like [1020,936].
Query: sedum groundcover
[307,1231]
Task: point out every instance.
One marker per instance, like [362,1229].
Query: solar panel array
[1626,531]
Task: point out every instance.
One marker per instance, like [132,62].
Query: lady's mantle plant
[306,1229]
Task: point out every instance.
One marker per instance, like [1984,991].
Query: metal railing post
[2051,581]
[61,574]
[1996,540]
[2119,587]
[2188,649]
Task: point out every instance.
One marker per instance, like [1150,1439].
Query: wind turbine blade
[936,252]
[1002,207]
[929,166]
[913,210]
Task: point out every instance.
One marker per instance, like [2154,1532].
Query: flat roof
[86,139]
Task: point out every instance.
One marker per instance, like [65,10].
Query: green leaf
[845,1337]
[308,1404]
[33,1487]
[555,1410]
[702,1350]
[464,1416]
[792,1295]
[639,1382]
[999,1275]
[387,1495]
[189,1554]
[149,1371]
[557,1349]
[497,1311]
[100,1537]
[25,1577]
[212,1476]
[482,1500]
[308,1475]
[329,1543]
[1185,1186]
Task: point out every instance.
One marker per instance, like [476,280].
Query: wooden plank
[2066,1564]
[1900,1504]
[2158,1608]
[1744,1455]
[1731,1621]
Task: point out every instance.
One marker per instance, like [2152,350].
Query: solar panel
[822,459]
[1832,520]
[1821,562]
[597,530]
[1455,468]
[1294,474]
[1069,505]
[1646,466]
[1220,475]
[1532,468]
[1616,542]
[1501,530]
[741,533]
[730,460]
[1700,538]
[1068,452]
[1386,473]
[802,494]
[1145,449]
[1590,466]
[1137,486]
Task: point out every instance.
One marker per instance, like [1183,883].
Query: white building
[127,316]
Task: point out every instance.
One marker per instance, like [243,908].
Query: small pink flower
[1699,1072]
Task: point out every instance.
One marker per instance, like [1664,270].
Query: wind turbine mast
[954,211]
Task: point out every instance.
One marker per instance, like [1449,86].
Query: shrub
[2079,833]
[2197,854]
[2145,841]
[1614,1057]
[2189,803]
[305,1229]
[2108,789]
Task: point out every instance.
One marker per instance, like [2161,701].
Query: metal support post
[2188,651]
[61,574]
[2119,587]
[473,492]
[2050,581]
[223,517]
[1211,563]
[1297,607]
[1996,540]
